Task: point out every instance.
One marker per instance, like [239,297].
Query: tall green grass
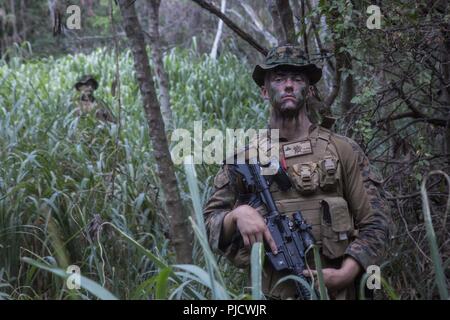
[83,177]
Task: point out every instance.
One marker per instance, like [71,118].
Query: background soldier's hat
[287,55]
[86,79]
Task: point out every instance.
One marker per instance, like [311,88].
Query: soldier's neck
[291,128]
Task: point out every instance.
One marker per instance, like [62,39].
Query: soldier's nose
[289,84]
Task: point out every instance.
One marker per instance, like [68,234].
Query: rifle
[292,238]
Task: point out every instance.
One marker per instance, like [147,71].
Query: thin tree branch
[215,46]
[336,82]
[257,24]
[241,33]
[304,34]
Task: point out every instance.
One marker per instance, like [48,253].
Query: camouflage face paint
[287,91]
[86,92]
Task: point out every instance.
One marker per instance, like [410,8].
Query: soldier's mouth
[288,98]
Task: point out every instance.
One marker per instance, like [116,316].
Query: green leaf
[318,263]
[198,274]
[162,283]
[256,258]
[432,242]
[302,281]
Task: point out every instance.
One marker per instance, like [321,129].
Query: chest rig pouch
[304,177]
[312,164]
[328,173]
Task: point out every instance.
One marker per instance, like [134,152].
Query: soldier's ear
[310,91]
[264,93]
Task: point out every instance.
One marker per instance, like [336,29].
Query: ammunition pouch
[336,226]
[304,177]
[329,173]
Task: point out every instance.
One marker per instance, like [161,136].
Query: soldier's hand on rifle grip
[251,225]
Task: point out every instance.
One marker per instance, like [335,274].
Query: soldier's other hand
[252,227]
[334,279]
[337,279]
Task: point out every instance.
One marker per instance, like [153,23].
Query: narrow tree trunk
[445,85]
[347,85]
[304,33]
[257,24]
[287,20]
[23,20]
[215,46]
[347,93]
[143,13]
[283,20]
[157,56]
[337,79]
[180,231]
[276,21]
[15,35]
[2,34]
[296,13]
[340,60]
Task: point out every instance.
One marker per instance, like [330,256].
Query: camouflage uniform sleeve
[370,211]
[221,202]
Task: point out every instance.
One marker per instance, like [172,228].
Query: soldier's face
[286,89]
[86,89]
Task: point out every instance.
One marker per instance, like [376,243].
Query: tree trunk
[15,35]
[305,29]
[157,56]
[329,100]
[2,32]
[276,21]
[257,24]
[283,21]
[340,59]
[287,20]
[23,20]
[296,13]
[181,236]
[215,47]
[445,84]
[347,85]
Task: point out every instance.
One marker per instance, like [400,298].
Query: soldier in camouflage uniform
[333,185]
[88,104]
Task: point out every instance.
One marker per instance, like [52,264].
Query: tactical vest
[315,172]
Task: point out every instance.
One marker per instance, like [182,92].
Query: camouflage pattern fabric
[288,55]
[361,189]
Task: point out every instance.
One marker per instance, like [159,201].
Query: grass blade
[437,261]
[87,284]
[256,261]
